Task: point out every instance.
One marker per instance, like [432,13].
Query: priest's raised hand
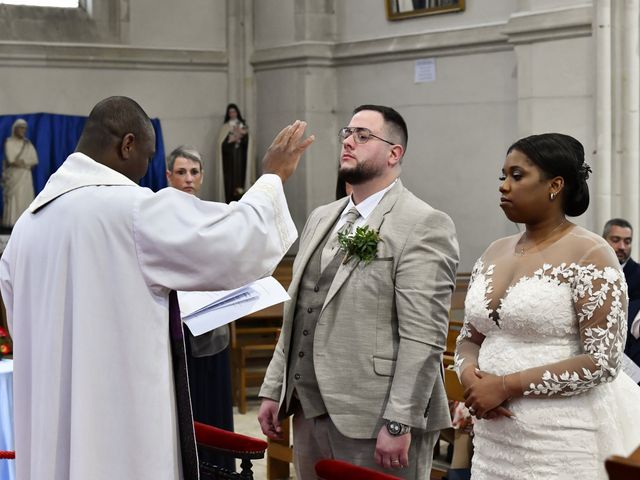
[283,155]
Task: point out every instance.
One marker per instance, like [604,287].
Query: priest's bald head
[119,134]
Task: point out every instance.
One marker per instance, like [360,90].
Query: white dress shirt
[365,208]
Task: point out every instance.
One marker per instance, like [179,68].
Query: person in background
[618,233]
[184,170]
[208,361]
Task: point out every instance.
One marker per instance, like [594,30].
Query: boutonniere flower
[362,244]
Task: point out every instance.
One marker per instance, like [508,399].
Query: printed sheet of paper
[425,70]
[203,311]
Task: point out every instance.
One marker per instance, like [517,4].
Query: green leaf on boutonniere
[362,244]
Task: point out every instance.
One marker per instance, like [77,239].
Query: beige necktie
[331,248]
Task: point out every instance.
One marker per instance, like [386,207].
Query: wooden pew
[253,340]
[280,454]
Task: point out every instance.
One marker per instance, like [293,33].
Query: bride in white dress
[545,326]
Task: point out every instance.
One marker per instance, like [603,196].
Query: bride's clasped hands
[486,395]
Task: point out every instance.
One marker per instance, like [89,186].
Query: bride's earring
[552,196]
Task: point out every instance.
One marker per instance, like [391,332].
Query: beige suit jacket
[383,327]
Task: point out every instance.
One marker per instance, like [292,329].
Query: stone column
[630,127]
[298,81]
[616,189]
[241,84]
[602,194]
[554,66]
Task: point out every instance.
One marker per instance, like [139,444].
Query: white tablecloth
[7,467]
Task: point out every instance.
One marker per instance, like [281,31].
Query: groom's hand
[392,452]
[268,419]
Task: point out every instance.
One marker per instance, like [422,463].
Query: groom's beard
[361,173]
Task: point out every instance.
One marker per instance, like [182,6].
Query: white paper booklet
[203,311]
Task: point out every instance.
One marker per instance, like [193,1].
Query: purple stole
[183,398]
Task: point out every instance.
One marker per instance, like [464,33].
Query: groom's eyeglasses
[360,135]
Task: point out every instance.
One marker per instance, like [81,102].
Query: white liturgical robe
[85,279]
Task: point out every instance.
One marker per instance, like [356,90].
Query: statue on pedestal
[234,157]
[19,158]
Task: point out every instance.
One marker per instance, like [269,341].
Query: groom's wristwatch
[396,428]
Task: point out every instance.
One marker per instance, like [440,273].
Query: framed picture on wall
[400,9]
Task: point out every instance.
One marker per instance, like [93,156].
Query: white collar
[369,204]
[78,170]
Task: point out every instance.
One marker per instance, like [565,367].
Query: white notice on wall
[425,70]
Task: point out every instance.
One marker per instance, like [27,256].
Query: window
[64,21]
[44,3]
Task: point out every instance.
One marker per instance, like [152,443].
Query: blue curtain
[55,137]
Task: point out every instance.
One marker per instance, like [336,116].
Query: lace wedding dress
[556,315]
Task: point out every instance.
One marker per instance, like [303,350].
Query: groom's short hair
[393,120]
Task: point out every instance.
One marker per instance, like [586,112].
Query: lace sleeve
[469,339]
[599,294]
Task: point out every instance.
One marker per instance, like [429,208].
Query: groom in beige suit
[358,363]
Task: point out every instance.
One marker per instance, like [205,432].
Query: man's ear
[395,155]
[168,173]
[128,142]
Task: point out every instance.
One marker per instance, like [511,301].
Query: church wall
[459,127]
[170,57]
[192,24]
[276,24]
[504,69]
[361,20]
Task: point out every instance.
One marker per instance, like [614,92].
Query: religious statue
[234,159]
[19,158]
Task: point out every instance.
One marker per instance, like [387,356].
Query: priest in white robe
[86,278]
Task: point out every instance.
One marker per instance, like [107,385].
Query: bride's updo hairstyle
[559,155]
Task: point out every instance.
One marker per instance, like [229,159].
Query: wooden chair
[329,469]
[221,441]
[230,444]
[623,468]
[253,340]
[280,454]
[251,350]
[456,312]
[455,390]
[452,385]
